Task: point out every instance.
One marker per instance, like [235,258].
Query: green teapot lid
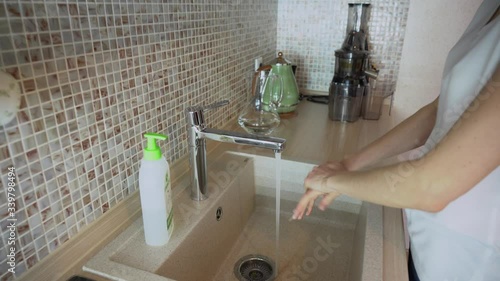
[281,60]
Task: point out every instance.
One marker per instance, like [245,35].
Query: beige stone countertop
[313,138]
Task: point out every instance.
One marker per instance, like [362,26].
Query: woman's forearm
[385,186]
[409,134]
[468,153]
[465,156]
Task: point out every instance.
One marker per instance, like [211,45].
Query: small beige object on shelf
[10,98]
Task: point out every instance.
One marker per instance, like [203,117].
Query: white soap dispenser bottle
[155,191]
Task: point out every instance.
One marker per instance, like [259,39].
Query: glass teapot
[260,116]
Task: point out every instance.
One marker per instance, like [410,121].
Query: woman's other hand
[315,185]
[316,179]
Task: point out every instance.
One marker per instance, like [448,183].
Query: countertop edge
[394,249]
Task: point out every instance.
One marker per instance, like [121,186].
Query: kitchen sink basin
[212,238]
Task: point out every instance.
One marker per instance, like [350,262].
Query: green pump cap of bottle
[152,151]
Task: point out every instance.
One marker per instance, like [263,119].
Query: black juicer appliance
[350,90]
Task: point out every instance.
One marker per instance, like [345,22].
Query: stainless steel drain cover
[254,268]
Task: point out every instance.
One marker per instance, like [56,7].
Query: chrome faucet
[198,133]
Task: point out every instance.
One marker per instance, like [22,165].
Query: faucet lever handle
[215,105]
[194,114]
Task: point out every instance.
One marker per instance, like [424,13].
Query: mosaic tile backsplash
[97,75]
[310,31]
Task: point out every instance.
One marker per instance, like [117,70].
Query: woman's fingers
[305,204]
[315,185]
[301,206]
[327,200]
[310,206]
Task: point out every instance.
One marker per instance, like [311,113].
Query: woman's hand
[316,179]
[306,203]
[315,184]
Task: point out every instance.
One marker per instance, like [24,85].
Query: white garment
[462,242]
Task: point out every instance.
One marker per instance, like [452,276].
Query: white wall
[310,31]
[433,29]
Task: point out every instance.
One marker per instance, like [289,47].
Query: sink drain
[254,268]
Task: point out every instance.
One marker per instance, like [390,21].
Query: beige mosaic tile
[95,76]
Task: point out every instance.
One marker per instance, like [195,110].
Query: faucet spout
[275,144]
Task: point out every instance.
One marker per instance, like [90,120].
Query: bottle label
[167,181]
[168,201]
[170,220]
